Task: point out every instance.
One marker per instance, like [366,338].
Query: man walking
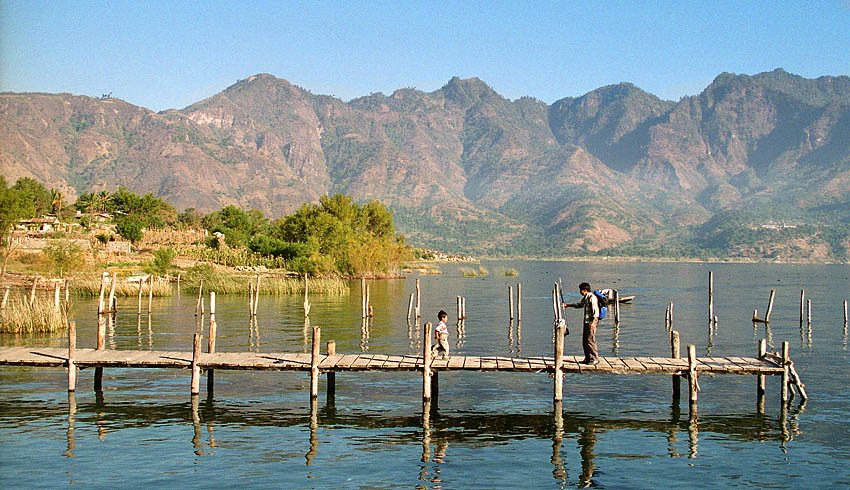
[591,318]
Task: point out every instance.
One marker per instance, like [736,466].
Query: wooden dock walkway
[284,361]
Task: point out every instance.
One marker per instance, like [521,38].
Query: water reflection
[439,431]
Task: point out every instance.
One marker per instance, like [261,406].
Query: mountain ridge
[615,168]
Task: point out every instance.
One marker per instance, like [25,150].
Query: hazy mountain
[467,169]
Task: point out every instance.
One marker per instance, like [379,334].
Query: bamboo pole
[769,306]
[250,299]
[198,310]
[410,308]
[671,315]
[710,296]
[845,310]
[100,296]
[458,309]
[32,291]
[331,374]
[196,370]
[802,305]
[178,283]
[6,299]
[67,291]
[426,365]
[518,302]
[785,372]
[510,304]
[306,297]
[362,297]
[463,308]
[56,296]
[314,363]
[675,353]
[72,347]
[369,312]
[693,386]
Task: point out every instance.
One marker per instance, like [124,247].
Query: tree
[130,228]
[11,211]
[162,259]
[56,199]
[64,256]
[34,198]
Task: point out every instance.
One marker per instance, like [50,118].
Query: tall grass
[508,271]
[223,283]
[468,272]
[19,317]
[90,286]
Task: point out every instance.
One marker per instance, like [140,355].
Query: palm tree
[101,200]
[56,199]
[85,202]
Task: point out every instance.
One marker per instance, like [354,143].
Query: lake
[488,430]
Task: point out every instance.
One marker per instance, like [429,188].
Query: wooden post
[150,292]
[463,307]
[101,337]
[809,311]
[198,311]
[306,297]
[67,291]
[616,306]
[458,310]
[710,296]
[559,361]
[211,343]
[139,311]
[362,297]
[102,289]
[112,305]
[510,304]
[518,302]
[257,296]
[32,291]
[845,310]
[178,283]
[314,363]
[331,374]
[785,372]
[802,305]
[426,364]
[418,309]
[72,347]
[675,354]
[196,370]
[56,296]
[6,299]
[671,315]
[369,312]
[769,306]
[760,387]
[693,387]
[410,307]
[250,299]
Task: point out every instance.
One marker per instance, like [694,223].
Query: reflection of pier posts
[196,427]
[426,431]
[72,411]
[587,442]
[559,471]
[693,433]
[675,414]
[314,425]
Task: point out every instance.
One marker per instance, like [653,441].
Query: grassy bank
[90,286]
[18,317]
[223,283]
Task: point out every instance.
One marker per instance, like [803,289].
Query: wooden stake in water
[410,308]
[845,311]
[802,305]
[6,299]
[257,296]
[196,370]
[785,372]
[463,308]
[710,296]
[559,362]
[250,299]
[306,298]
[331,374]
[150,292]
[362,297]
[616,307]
[769,306]
[693,386]
[112,301]
[56,296]
[458,309]
[32,291]
[760,387]
[418,309]
[72,347]
[675,354]
[510,303]
[518,302]
[809,311]
[198,310]
[140,296]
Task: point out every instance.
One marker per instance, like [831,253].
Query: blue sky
[170,54]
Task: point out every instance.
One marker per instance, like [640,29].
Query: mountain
[616,170]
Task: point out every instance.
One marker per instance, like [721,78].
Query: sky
[170,54]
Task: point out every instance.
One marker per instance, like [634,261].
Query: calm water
[488,431]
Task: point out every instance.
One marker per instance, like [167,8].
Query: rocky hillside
[616,169]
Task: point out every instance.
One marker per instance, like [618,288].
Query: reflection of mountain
[470,170]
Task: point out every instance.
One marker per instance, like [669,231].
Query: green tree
[34,198]
[64,256]
[11,210]
[162,260]
[130,228]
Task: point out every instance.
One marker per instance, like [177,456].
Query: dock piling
[693,384]
[803,306]
[786,375]
[72,347]
[510,304]
[675,353]
[211,343]
[314,363]
[426,365]
[710,297]
[331,374]
[518,303]
[196,370]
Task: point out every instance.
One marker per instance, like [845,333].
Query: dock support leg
[785,373]
[196,370]
[331,374]
[426,365]
[693,387]
[760,386]
[314,363]
[72,347]
[435,387]
[676,354]
[559,363]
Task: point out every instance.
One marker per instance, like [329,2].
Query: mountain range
[617,170]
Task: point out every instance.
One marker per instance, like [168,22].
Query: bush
[162,259]
[130,229]
[63,257]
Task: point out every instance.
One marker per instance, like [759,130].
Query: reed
[271,285]
[483,270]
[508,272]
[18,317]
[468,272]
[90,286]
